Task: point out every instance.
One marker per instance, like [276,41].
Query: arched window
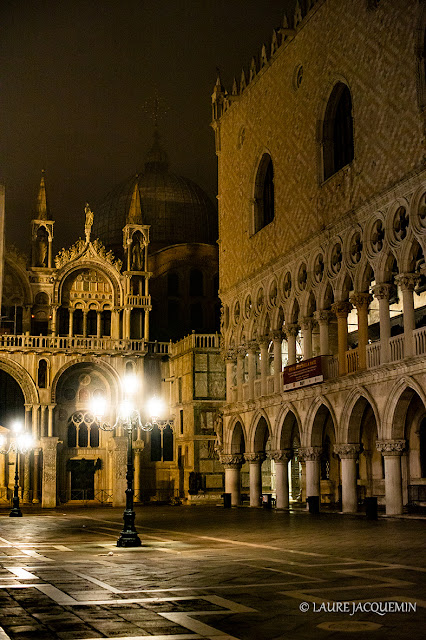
[264,210]
[42,374]
[196,283]
[173,284]
[83,430]
[338,135]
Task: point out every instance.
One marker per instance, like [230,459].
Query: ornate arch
[89,263]
[97,363]
[345,432]
[312,414]
[23,378]
[229,433]
[280,420]
[258,415]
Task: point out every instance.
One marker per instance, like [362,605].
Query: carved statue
[136,255]
[218,427]
[89,221]
[42,244]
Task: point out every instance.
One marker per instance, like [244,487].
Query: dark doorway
[11,400]
[82,479]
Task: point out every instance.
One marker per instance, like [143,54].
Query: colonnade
[310,457]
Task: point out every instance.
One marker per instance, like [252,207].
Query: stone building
[322,233]
[75,323]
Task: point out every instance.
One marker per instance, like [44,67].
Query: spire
[41,205]
[156,159]
[134,215]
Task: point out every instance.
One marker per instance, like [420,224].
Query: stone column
[54,310]
[382,293]
[71,323]
[146,325]
[278,365]
[264,367]
[255,460]
[361,301]
[48,495]
[281,459]
[348,454]
[98,324]
[43,408]
[252,353]
[311,456]
[36,476]
[407,282]
[126,323]
[341,309]
[50,420]
[241,354]
[323,319]
[119,463]
[34,421]
[233,464]
[230,363]
[291,331]
[115,324]
[26,320]
[84,324]
[27,479]
[391,451]
[306,325]
[27,419]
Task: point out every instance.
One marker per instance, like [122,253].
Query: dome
[177,209]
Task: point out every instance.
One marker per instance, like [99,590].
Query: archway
[322,467]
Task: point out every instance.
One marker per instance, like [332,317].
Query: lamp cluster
[20,442]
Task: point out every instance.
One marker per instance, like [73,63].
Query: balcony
[78,344]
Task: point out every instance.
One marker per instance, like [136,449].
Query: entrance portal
[82,479]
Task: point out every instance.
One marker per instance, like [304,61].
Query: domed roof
[177,209]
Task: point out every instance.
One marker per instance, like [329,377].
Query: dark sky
[74,77]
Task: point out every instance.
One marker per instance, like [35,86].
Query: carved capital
[307,323]
[382,291]
[281,456]
[341,309]
[232,460]
[291,330]
[277,335]
[322,316]
[241,352]
[310,453]
[407,281]
[345,451]
[230,355]
[390,447]
[258,457]
[361,300]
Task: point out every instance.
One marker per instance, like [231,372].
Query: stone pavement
[209,572]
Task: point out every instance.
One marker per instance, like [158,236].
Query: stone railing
[397,348]
[373,355]
[352,360]
[78,343]
[138,301]
[196,341]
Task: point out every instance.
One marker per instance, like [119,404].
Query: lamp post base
[15,513]
[129,539]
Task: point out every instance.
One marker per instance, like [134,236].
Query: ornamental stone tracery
[391,447]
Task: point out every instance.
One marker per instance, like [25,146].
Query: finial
[41,205]
[134,215]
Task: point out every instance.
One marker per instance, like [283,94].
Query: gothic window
[264,210]
[338,137]
[196,283]
[155,445]
[83,430]
[42,374]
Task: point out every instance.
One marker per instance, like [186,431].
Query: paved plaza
[209,572]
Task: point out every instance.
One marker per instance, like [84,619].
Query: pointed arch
[257,435]
[337,131]
[311,433]
[264,206]
[236,436]
[285,421]
[351,418]
[397,406]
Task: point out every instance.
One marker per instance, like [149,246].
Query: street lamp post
[21,443]
[130,419]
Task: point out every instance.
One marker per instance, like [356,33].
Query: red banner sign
[303,373]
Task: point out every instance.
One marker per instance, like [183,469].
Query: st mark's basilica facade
[316,390]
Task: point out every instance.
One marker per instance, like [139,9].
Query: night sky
[75,76]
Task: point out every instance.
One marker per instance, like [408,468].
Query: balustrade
[66,343]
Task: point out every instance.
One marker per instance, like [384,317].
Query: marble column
[71,323]
[115,324]
[306,326]
[342,309]
[49,489]
[233,464]
[323,319]
[84,324]
[311,456]
[361,301]
[382,293]
[230,364]
[36,476]
[53,319]
[278,365]
[291,332]
[392,451]
[264,366]
[34,421]
[50,420]
[98,324]
[241,354]
[281,459]
[348,454]
[252,355]
[255,460]
[407,282]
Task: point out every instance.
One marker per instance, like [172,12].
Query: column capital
[310,453]
[230,355]
[291,330]
[322,316]
[407,281]
[255,457]
[277,335]
[306,323]
[382,291]
[281,455]
[241,352]
[345,451]
[232,460]
[361,300]
[341,309]
[390,447]
[253,346]
[264,342]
